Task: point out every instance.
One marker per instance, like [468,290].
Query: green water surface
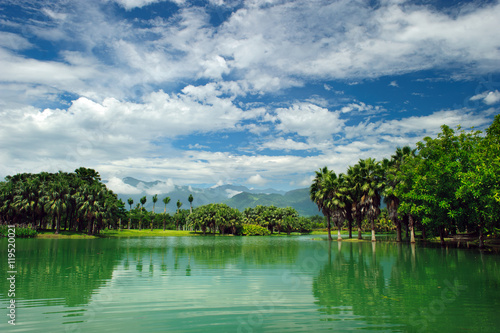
[248,284]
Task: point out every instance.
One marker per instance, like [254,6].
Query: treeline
[80,202]
[261,220]
[76,201]
[445,185]
[220,218]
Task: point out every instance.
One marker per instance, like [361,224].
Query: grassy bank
[147,233]
[63,235]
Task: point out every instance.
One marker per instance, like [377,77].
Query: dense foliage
[19,232]
[226,220]
[73,201]
[447,184]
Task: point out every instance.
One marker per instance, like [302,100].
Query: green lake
[248,284]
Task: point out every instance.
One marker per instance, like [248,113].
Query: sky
[260,93]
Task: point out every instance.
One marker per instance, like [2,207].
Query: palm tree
[89,205]
[143,201]
[57,202]
[165,201]
[354,186]
[179,204]
[190,199]
[319,193]
[155,199]
[130,201]
[371,187]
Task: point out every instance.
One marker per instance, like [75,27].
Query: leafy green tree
[479,180]
[391,169]
[429,182]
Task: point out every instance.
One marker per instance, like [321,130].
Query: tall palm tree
[130,201]
[371,187]
[155,199]
[57,201]
[179,205]
[165,201]
[354,181]
[190,199]
[88,204]
[143,201]
[320,193]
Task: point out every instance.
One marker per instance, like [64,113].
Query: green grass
[147,233]
[63,235]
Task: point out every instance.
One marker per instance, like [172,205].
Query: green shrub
[255,230]
[20,232]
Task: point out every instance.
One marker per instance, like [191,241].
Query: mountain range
[235,196]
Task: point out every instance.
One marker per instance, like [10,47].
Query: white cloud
[309,120]
[161,187]
[131,4]
[285,144]
[118,186]
[488,97]
[232,193]
[13,42]
[362,108]
[394,84]
[257,180]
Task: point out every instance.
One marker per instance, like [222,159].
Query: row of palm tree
[75,201]
[165,200]
[357,194]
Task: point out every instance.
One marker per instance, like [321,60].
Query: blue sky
[260,93]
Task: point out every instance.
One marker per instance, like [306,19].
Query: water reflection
[252,284]
[403,287]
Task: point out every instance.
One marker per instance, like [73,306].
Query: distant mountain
[298,199]
[236,196]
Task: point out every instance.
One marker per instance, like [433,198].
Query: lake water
[248,284]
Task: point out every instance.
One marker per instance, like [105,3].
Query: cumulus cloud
[488,97]
[257,180]
[309,120]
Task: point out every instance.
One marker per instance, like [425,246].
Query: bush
[255,230]
[20,232]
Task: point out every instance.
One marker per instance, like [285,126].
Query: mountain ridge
[236,196]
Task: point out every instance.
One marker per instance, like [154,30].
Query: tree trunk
[359,228]
[328,226]
[481,238]
[58,223]
[89,227]
[441,236]
[350,227]
[411,226]
[129,221]
[338,234]
[163,224]
[373,230]
[398,230]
